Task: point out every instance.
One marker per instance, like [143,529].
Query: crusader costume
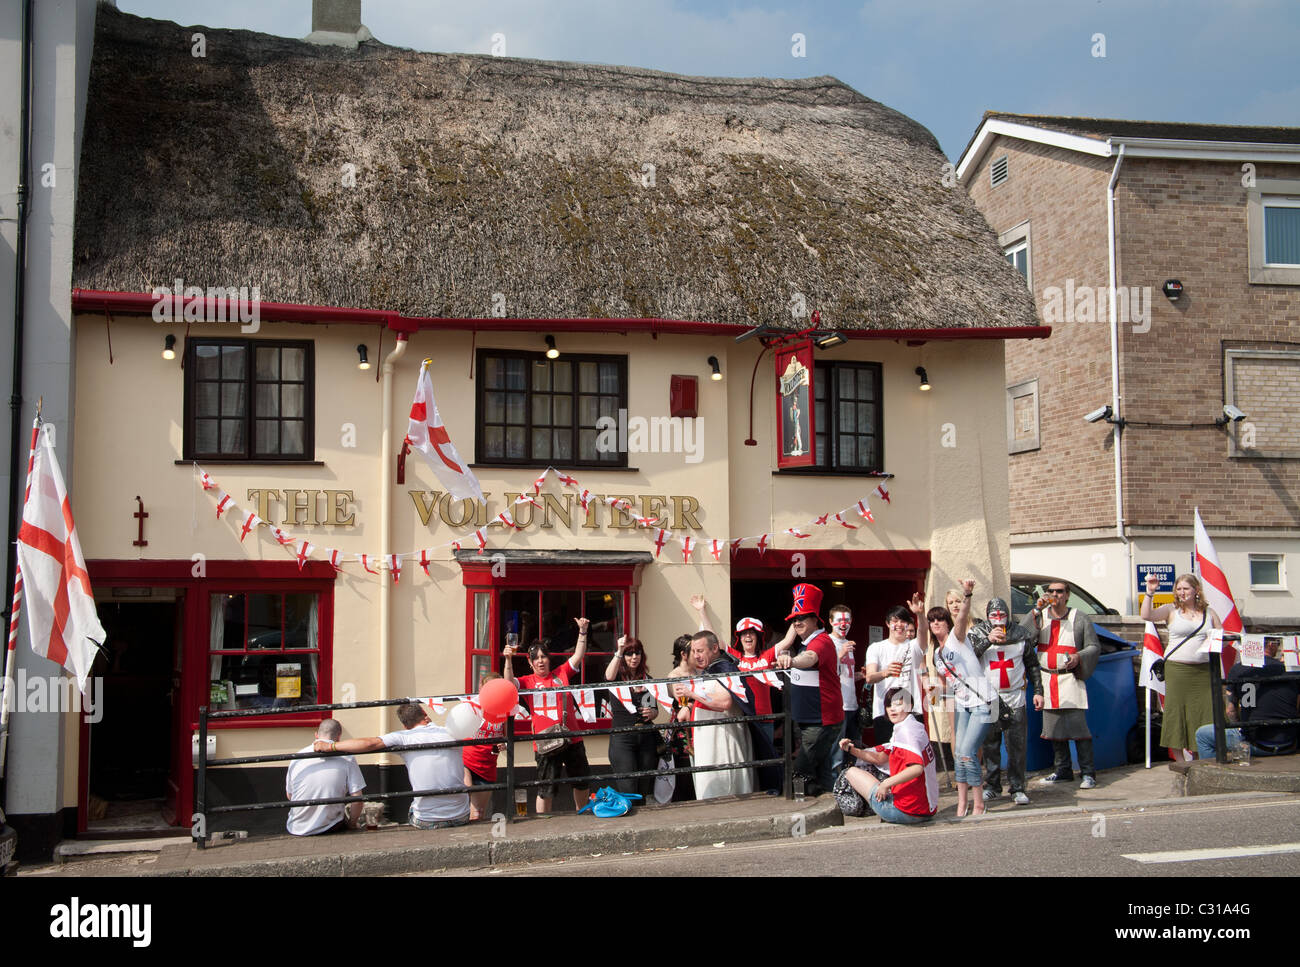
[1065,697]
[1006,665]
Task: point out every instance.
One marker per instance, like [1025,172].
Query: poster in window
[795,428]
[288,680]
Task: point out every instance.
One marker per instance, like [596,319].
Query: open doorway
[130,786]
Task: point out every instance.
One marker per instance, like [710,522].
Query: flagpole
[15,612]
[1148,694]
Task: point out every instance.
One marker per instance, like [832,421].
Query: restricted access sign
[1165,572]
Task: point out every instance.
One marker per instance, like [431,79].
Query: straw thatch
[479,175]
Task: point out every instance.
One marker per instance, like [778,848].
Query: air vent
[998,171]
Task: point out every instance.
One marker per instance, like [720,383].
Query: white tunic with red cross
[1004,667]
[1055,646]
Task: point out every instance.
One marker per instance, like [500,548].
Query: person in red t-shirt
[549,711]
[749,656]
[481,761]
[911,793]
[814,691]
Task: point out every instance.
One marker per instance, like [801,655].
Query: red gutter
[142,303]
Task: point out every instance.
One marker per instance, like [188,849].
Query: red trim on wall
[748,565]
[142,303]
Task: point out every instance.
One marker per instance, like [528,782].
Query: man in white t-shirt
[896,662]
[323,779]
[426,768]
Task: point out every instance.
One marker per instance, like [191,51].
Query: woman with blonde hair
[1188,703]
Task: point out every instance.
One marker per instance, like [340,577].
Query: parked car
[1026,589]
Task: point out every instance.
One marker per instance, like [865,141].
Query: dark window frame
[190,449]
[480,410]
[829,430]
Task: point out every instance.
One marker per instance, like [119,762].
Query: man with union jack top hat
[815,700]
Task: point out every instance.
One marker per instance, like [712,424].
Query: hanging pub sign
[794,405]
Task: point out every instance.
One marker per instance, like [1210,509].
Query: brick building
[1098,213]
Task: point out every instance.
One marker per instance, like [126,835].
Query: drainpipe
[20,291]
[385,515]
[1118,428]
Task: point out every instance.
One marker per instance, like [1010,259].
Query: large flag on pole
[1217,593]
[426,433]
[15,616]
[60,606]
[1151,650]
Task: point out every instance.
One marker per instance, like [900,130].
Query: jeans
[1016,735]
[434,823]
[815,745]
[634,752]
[1061,757]
[1232,739]
[972,723]
[890,813]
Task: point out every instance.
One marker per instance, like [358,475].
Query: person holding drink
[632,751]
[552,713]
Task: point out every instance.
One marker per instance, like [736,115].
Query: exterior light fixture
[361,354]
[925,380]
[551,351]
[169,346]
[825,340]
[1172,289]
[717,370]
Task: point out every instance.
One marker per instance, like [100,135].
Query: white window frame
[1014,238]
[1028,387]
[1230,358]
[1269,193]
[1279,559]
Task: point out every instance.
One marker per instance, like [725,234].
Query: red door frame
[283,576]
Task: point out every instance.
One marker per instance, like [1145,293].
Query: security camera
[1232,413]
[1096,416]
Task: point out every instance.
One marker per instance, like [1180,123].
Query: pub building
[565,242]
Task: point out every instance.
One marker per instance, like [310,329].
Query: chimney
[337,22]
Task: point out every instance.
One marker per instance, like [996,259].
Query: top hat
[807,600]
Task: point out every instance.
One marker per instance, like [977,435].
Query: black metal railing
[512,783]
[1247,725]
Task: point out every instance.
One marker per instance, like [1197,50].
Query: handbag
[549,746]
[1158,666]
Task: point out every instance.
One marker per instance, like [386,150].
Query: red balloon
[498,699]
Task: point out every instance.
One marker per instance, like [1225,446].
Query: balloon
[498,698]
[463,721]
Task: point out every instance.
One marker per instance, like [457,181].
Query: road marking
[1224,853]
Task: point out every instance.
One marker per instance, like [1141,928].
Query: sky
[942,62]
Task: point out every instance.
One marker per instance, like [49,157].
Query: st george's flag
[60,605]
[1217,593]
[1152,649]
[425,432]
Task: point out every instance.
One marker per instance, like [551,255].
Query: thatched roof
[477,175]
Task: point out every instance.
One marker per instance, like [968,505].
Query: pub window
[547,614]
[534,410]
[264,650]
[849,421]
[249,400]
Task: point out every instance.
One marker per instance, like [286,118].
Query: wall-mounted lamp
[169,346]
[825,340]
[925,380]
[361,355]
[717,370]
[551,351]
[1172,289]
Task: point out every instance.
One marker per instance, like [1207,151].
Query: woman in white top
[1188,702]
[957,661]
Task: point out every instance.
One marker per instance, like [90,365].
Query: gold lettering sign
[557,510]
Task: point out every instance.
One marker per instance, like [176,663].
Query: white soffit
[1134,147]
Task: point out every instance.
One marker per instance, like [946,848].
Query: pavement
[397,849]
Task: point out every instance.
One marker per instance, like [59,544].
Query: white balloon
[463,721]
